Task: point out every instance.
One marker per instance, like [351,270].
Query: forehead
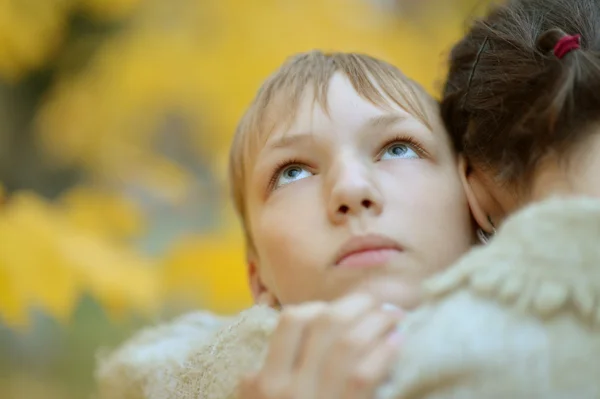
[343,112]
[340,105]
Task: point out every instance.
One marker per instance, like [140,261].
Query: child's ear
[261,294]
[483,205]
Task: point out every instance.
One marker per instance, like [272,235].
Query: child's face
[356,178]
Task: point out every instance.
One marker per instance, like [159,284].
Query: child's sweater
[517,318]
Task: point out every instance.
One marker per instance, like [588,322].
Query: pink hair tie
[566,44]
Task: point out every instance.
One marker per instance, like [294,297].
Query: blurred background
[115,121]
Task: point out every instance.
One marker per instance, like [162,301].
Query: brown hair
[509,100]
[278,99]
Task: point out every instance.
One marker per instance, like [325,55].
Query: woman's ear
[261,294]
[484,207]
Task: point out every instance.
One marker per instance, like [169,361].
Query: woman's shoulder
[466,347]
[510,317]
[544,257]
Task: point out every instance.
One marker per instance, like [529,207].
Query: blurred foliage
[50,255]
[116,120]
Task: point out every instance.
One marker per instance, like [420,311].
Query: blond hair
[376,81]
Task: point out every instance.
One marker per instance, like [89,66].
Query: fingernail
[389,307]
[395,338]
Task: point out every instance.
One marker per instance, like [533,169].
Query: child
[517,318]
[345,180]
[520,317]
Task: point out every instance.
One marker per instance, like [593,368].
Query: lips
[367,251]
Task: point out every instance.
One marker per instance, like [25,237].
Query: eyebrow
[384,121]
[376,122]
[287,140]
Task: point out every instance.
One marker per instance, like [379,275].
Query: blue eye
[399,150]
[291,174]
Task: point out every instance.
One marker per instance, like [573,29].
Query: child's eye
[399,150]
[291,174]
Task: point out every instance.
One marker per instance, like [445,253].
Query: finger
[328,326]
[247,387]
[321,333]
[369,373]
[384,289]
[256,386]
[372,326]
[359,342]
[286,340]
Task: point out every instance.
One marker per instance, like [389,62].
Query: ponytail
[523,81]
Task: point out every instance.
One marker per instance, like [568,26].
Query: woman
[511,317]
[522,103]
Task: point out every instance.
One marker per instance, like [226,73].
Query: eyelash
[295,161]
[408,140]
[279,168]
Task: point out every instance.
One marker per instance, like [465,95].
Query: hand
[329,351]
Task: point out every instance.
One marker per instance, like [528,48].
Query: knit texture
[518,318]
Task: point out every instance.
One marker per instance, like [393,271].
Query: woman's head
[525,116]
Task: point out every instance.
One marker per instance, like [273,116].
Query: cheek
[288,244]
[280,232]
[434,206]
[427,187]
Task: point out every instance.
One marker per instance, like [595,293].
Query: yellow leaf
[109,9]
[208,271]
[29,34]
[102,212]
[50,262]
[29,247]
[163,177]
[13,309]
[120,279]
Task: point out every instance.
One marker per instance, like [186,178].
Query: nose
[354,192]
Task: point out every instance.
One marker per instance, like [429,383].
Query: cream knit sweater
[518,318]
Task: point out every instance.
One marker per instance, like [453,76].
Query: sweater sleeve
[139,369]
[518,318]
[215,370]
